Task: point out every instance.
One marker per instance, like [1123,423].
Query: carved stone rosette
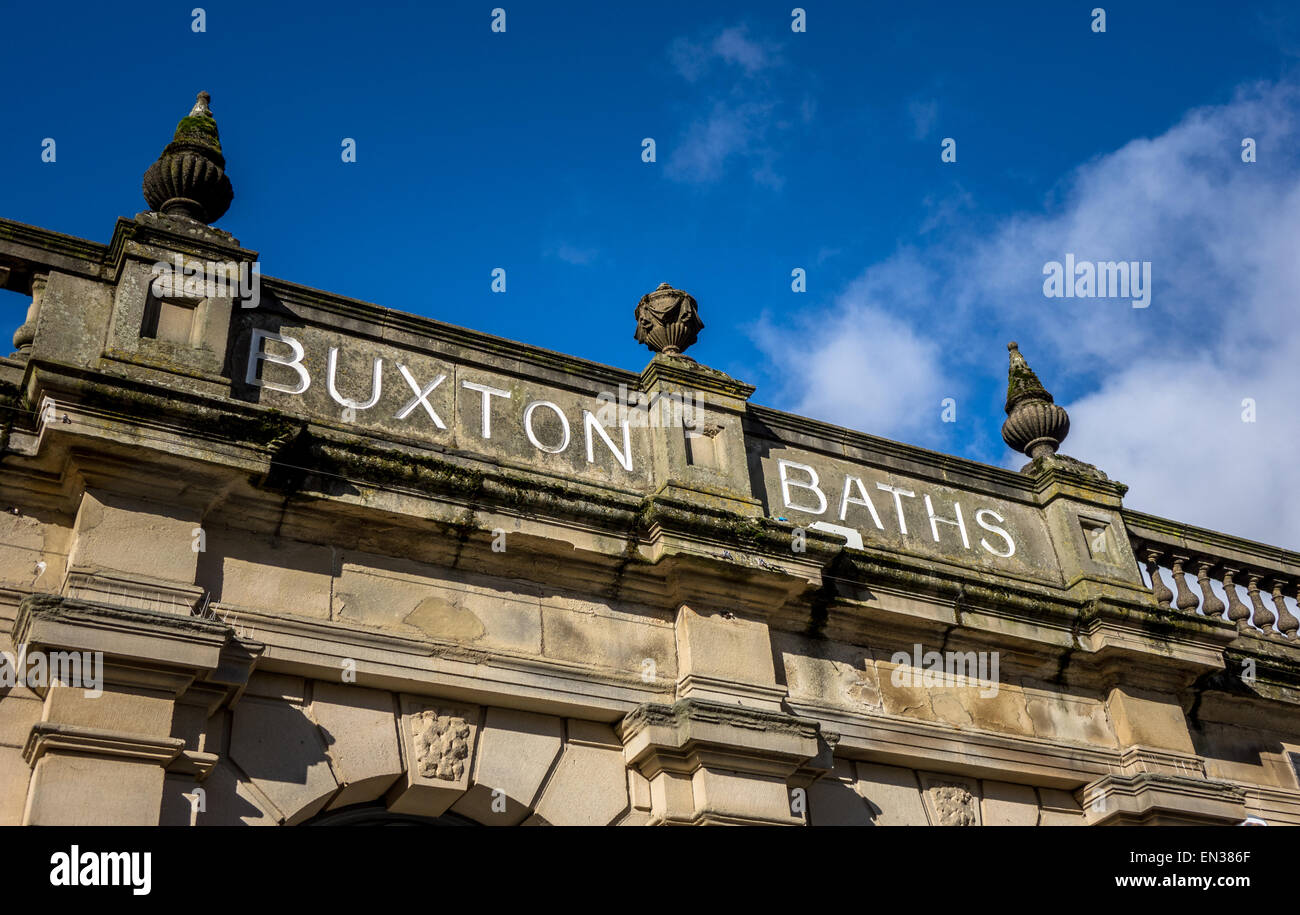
[189,178]
[441,744]
[951,800]
[438,747]
[667,320]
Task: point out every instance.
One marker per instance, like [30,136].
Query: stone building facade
[323,562]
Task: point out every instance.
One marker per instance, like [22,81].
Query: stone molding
[151,636]
[1153,799]
[50,737]
[707,762]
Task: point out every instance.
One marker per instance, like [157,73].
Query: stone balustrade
[1257,585]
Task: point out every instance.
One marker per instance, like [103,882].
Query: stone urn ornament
[1035,425]
[189,178]
[667,320]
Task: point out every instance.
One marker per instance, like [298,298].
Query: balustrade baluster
[1187,601]
[1210,603]
[1158,590]
[1237,611]
[1262,618]
[1286,620]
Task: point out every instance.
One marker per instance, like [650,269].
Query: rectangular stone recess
[702,447]
[1096,535]
[170,319]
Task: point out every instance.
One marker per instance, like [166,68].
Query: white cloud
[923,115]
[730,130]
[858,366]
[1164,385]
[693,58]
[743,111]
[573,254]
[735,47]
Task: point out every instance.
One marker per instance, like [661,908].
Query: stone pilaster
[696,416]
[709,763]
[101,752]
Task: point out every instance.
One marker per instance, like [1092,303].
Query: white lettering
[849,484]
[376,382]
[786,483]
[935,521]
[488,393]
[255,355]
[421,396]
[1011,544]
[532,437]
[898,504]
[590,424]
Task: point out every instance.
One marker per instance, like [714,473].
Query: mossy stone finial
[1022,383]
[189,179]
[1035,425]
[199,126]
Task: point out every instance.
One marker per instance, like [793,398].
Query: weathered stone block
[14,775]
[265,573]
[589,785]
[281,750]
[159,534]
[73,790]
[1005,804]
[228,801]
[1150,719]
[515,752]
[31,557]
[418,599]
[359,727]
[893,794]
[833,800]
[593,633]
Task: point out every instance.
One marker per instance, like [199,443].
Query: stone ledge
[1161,800]
[160,639]
[47,737]
[911,743]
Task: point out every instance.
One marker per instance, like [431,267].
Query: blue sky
[775,150]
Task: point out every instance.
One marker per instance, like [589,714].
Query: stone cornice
[389,660]
[687,374]
[161,234]
[1164,799]
[154,638]
[49,737]
[900,740]
[1237,551]
[715,713]
[42,251]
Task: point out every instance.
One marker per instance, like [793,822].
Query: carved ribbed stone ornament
[667,320]
[189,178]
[1035,425]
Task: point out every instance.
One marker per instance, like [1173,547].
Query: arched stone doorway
[378,815]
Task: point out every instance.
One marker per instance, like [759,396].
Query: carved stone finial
[667,320]
[201,107]
[1034,425]
[189,178]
